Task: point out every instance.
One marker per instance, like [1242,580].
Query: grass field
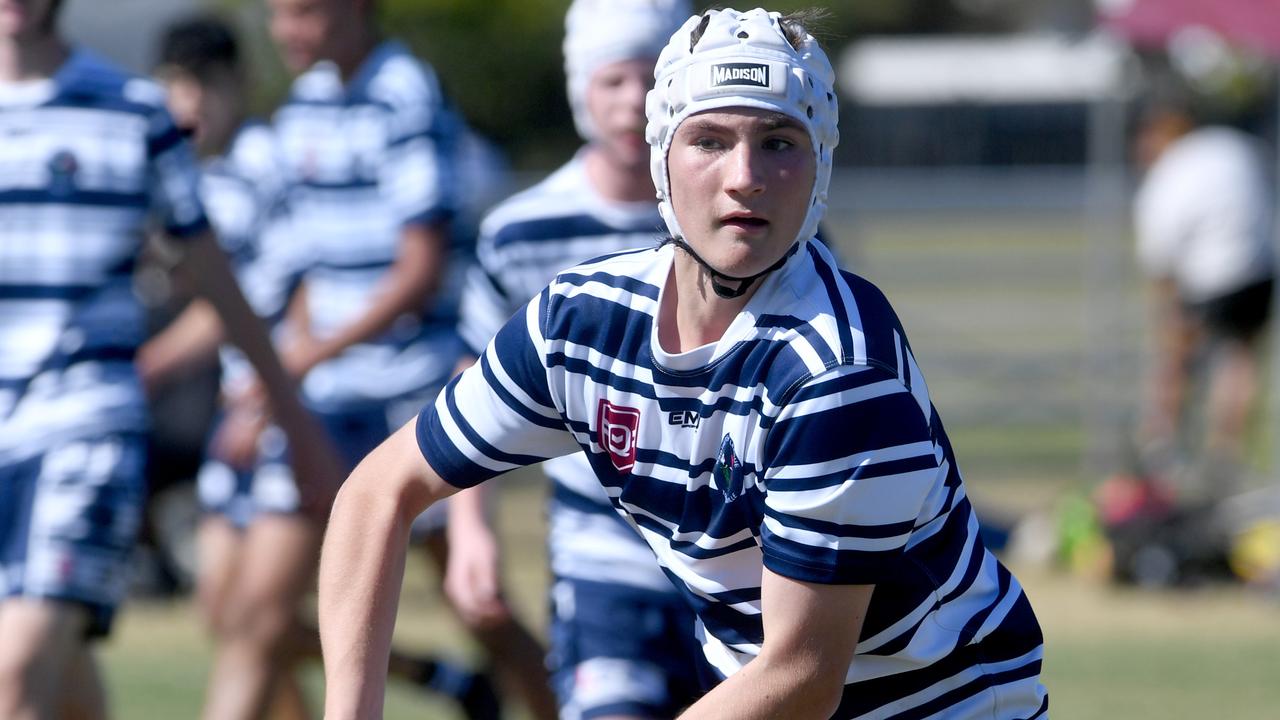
[1111,653]
[996,314]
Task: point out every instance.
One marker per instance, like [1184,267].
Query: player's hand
[235,442]
[301,353]
[318,469]
[472,578]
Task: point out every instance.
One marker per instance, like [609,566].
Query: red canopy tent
[1250,23]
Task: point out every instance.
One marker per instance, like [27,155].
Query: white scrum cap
[601,32]
[743,59]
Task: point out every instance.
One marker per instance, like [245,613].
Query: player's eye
[778,143]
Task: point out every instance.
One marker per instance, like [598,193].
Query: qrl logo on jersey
[618,426]
[749,74]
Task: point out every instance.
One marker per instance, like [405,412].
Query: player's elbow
[394,479]
[820,694]
[373,494]
[812,686]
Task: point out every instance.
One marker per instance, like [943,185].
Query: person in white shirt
[1203,219]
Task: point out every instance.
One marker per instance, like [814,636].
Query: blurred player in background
[88,156]
[257,549]
[600,202]
[370,153]
[1204,220]
[756,413]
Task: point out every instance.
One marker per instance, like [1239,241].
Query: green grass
[1137,654]
[1110,653]
[157,661]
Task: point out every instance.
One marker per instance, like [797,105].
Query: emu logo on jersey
[617,430]
[728,470]
[683,418]
[749,74]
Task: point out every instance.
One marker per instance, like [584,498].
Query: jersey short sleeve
[849,465]
[174,173]
[279,256]
[498,415]
[418,172]
[485,306]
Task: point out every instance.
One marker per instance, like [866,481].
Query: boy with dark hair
[89,156]
[257,546]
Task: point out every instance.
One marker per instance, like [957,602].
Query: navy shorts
[68,522]
[1238,315]
[270,487]
[619,650]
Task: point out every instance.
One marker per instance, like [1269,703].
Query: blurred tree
[500,60]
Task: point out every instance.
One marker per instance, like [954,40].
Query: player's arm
[810,631]
[190,341]
[362,566]
[473,573]
[404,289]
[473,580]
[311,454]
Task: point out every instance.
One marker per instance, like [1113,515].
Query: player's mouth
[631,137]
[744,222]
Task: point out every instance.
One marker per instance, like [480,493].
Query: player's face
[26,18]
[740,185]
[304,30]
[615,101]
[209,109]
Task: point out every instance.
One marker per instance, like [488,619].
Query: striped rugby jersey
[363,160]
[88,159]
[804,441]
[524,242]
[243,192]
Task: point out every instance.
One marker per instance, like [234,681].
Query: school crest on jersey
[63,168]
[728,470]
[617,427]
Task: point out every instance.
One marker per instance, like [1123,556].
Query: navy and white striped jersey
[364,159]
[88,159]
[804,441]
[243,192]
[524,243]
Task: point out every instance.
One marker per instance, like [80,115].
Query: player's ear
[51,19]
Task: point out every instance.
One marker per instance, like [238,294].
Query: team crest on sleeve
[728,470]
[617,427]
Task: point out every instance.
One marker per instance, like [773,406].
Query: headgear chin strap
[742,60]
[744,283]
